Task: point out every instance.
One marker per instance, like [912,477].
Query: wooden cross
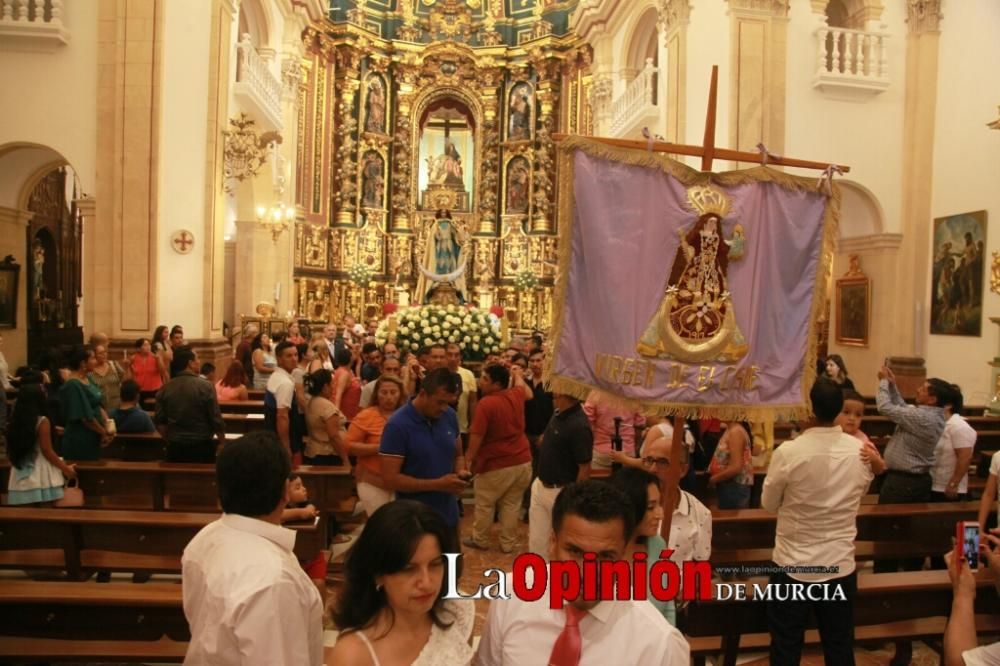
[183,240]
[708,152]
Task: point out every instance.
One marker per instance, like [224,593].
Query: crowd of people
[420,430]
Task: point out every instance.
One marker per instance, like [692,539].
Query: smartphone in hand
[967,542]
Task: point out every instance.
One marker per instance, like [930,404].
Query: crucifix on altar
[708,152]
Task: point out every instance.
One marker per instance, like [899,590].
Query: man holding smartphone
[961,647]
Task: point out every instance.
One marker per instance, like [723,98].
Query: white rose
[428,342]
[450,308]
[475,347]
[414,346]
[404,330]
[495,350]
[452,338]
[427,330]
[423,322]
[436,328]
[468,321]
[475,338]
[467,339]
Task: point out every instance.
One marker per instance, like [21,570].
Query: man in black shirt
[537,413]
[563,457]
[187,412]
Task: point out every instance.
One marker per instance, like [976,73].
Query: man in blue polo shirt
[421,450]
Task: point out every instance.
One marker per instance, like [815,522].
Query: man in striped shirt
[909,457]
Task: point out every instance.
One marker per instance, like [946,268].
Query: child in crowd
[299,509]
[129,416]
[37,473]
[850,421]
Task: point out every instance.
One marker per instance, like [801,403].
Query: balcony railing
[32,25]
[638,100]
[256,87]
[851,62]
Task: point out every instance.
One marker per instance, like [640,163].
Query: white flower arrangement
[474,330]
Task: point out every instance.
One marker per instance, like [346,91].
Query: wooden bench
[79,541]
[932,525]
[228,407]
[143,446]
[56,621]
[161,486]
[887,606]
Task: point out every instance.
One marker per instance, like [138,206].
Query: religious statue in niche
[37,270]
[372,181]
[696,321]
[519,106]
[375,106]
[518,172]
[446,168]
[445,258]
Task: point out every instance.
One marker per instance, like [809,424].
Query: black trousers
[787,622]
[902,488]
[192,452]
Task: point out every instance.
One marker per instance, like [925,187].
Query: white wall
[966,172]
[49,97]
[708,43]
[866,134]
[182,159]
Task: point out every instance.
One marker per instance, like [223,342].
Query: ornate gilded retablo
[696,321]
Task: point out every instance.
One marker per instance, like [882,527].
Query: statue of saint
[38,269]
[373,195]
[375,118]
[695,320]
[444,258]
[446,168]
[517,186]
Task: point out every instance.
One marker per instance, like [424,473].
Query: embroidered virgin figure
[696,320]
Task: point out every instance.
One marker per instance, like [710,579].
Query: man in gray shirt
[909,457]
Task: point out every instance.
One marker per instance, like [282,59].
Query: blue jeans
[733,495]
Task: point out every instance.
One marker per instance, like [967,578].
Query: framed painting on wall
[854,306]
[10,271]
[958,274]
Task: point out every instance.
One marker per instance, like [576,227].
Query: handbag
[72,495]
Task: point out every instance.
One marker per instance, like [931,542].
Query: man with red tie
[587,517]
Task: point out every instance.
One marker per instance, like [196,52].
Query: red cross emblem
[182,241]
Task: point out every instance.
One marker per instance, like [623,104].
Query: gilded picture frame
[10,273]
[853,307]
[958,274]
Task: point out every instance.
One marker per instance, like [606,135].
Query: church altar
[427,156]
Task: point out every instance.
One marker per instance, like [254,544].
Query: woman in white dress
[37,474]
[390,610]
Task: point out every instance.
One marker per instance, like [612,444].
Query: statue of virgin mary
[444,260]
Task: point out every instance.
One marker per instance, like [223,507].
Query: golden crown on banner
[704,200]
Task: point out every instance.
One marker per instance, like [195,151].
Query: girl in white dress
[390,610]
[37,474]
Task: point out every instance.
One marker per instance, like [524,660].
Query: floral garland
[525,281]
[360,275]
[420,326]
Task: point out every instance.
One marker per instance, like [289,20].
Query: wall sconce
[275,219]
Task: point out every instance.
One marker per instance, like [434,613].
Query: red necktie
[566,651]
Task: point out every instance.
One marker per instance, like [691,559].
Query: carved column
[757,73]
[674,17]
[544,186]
[344,176]
[922,44]
[489,181]
[402,206]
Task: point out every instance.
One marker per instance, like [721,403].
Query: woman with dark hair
[146,368]
[642,488]
[391,608]
[80,400]
[161,339]
[363,439]
[37,474]
[346,385]
[234,385]
[837,371]
[325,424]
[264,361]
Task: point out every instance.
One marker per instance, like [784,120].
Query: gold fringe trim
[688,177]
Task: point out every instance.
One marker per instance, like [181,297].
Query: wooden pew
[229,407]
[161,486]
[887,606]
[56,621]
[876,426]
[82,540]
[932,525]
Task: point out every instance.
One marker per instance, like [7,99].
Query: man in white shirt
[587,517]
[815,484]
[246,598]
[950,475]
[279,397]
[691,524]
[467,400]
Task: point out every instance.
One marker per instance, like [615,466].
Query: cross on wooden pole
[708,152]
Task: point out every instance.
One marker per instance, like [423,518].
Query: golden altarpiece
[412,108]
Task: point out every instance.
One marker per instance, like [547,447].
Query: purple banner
[686,294]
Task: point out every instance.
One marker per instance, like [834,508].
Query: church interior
[238,168]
